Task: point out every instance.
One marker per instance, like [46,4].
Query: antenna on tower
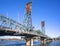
[18,17]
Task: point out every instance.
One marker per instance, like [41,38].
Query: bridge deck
[4,31]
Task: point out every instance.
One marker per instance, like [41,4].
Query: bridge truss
[11,24]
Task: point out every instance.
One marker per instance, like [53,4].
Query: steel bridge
[10,27]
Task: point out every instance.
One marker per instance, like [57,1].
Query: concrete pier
[43,40]
[29,42]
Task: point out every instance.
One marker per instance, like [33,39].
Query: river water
[54,43]
[23,43]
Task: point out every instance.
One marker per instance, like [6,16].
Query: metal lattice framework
[27,27]
[9,23]
[28,17]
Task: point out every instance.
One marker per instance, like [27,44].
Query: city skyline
[43,10]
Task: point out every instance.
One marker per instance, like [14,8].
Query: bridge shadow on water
[43,45]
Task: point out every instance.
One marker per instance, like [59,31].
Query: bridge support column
[44,41]
[29,42]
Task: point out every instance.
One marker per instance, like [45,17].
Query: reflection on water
[17,43]
[54,43]
[23,43]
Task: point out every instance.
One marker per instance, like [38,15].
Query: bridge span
[13,28]
[10,27]
[28,35]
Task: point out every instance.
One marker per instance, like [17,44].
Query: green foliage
[39,32]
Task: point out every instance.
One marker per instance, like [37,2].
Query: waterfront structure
[11,27]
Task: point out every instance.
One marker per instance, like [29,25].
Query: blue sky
[47,10]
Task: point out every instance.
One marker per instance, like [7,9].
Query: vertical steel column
[28,16]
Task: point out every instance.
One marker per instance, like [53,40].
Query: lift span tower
[28,16]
